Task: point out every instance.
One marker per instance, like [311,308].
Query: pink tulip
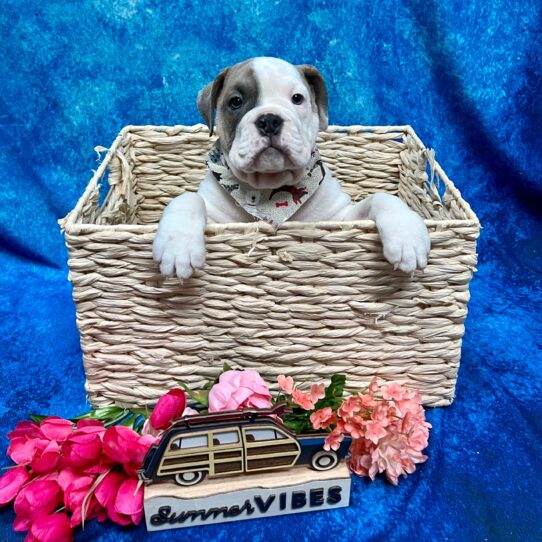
[123,445]
[116,494]
[106,494]
[11,483]
[89,422]
[83,449]
[46,456]
[25,429]
[50,528]
[55,428]
[40,454]
[169,407]
[239,389]
[38,498]
[128,501]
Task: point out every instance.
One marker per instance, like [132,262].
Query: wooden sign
[235,498]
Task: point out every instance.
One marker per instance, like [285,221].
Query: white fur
[179,245]
[278,82]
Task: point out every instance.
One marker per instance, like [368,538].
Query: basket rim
[68,222]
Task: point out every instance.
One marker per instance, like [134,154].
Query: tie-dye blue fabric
[466,75]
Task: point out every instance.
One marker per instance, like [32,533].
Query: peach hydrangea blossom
[388,429]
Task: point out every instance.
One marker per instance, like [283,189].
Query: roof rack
[250,414]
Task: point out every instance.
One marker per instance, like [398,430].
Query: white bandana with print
[276,205]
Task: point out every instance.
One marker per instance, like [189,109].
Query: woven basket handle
[119,203]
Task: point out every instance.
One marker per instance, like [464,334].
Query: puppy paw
[179,254]
[405,240]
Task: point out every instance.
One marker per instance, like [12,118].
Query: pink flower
[57,429]
[393,392]
[116,493]
[349,407]
[239,389]
[74,496]
[373,386]
[286,383]
[83,449]
[322,418]
[354,426]
[46,456]
[123,445]
[11,483]
[38,498]
[129,501]
[40,454]
[333,440]
[302,399]
[169,407]
[26,429]
[318,391]
[394,437]
[50,528]
[374,432]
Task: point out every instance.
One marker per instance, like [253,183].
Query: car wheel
[189,478]
[324,460]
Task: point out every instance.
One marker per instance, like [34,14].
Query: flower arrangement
[70,471]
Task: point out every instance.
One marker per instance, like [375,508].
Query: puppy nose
[269,124]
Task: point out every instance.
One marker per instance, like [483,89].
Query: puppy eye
[298,99]
[235,102]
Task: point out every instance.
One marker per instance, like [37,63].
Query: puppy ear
[208,98]
[318,88]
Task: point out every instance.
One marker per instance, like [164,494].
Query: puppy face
[268,116]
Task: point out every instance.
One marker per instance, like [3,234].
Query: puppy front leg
[403,233]
[179,245]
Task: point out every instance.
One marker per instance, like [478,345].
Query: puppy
[265,166]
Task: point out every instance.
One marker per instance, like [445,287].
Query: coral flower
[333,440]
[318,391]
[302,399]
[322,418]
[286,384]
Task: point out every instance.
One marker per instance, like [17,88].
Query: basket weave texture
[309,300]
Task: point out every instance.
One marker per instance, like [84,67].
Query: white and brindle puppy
[268,114]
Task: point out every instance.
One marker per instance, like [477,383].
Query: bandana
[276,205]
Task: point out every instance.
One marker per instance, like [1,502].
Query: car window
[182,443]
[259,434]
[225,437]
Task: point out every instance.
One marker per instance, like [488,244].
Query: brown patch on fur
[240,81]
[317,86]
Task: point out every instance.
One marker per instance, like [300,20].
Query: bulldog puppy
[265,166]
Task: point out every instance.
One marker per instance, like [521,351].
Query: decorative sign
[168,506]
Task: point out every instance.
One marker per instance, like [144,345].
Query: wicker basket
[309,300]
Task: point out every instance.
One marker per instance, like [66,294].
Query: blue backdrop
[466,75]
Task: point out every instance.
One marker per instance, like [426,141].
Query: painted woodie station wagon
[230,443]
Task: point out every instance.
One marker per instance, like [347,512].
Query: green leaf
[202,398]
[37,417]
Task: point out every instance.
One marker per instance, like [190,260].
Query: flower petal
[52,528]
[57,429]
[128,501]
[11,483]
[169,407]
